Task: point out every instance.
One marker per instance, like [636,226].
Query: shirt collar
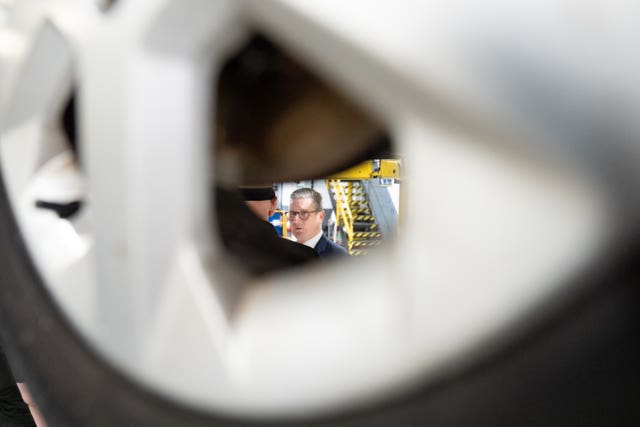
[312,242]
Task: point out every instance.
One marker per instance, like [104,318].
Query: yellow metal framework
[350,210]
[284,219]
[344,216]
[370,169]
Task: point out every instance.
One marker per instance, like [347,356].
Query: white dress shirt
[312,242]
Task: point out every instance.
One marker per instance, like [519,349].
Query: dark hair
[257,193]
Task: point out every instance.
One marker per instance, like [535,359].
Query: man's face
[301,229]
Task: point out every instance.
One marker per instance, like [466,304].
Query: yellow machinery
[353,211]
[284,222]
[370,169]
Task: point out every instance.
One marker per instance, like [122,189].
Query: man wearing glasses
[306,216]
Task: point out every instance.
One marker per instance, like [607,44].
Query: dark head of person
[262,201]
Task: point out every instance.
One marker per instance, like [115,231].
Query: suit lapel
[321,245]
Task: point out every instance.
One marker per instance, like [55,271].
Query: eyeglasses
[304,215]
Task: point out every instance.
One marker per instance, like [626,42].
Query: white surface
[492,229]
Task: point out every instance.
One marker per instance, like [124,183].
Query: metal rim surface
[140,272]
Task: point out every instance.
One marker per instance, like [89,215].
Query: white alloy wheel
[500,215]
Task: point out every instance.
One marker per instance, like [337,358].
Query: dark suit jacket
[326,248]
[254,242]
